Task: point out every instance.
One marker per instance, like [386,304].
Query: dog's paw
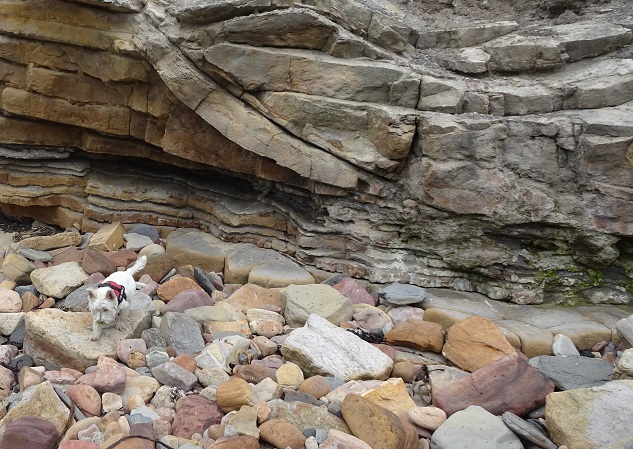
[119,326]
[94,337]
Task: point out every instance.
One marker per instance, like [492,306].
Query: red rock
[186,361]
[242,442]
[68,254]
[353,291]
[187,299]
[509,384]
[77,444]
[194,416]
[86,398]
[109,376]
[30,432]
[97,262]
[121,258]
[141,429]
[95,278]
[254,374]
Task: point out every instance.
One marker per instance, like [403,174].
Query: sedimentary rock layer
[336,132]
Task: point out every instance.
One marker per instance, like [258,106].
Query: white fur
[103,304]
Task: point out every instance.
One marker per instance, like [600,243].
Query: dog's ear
[91,294]
[110,295]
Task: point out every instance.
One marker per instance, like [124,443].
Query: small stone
[337,439]
[136,242]
[126,346]
[563,346]
[243,422]
[97,262]
[251,296]
[254,373]
[405,370]
[186,361]
[29,301]
[169,373]
[187,299]
[7,378]
[146,230]
[402,294]
[317,386]
[195,415]
[108,238]
[353,291]
[393,396]
[282,434]
[27,377]
[111,402]
[59,280]
[289,375]
[33,254]
[10,301]
[318,299]
[110,376]
[182,332]
[429,418]
[17,268]
[527,431]
[403,313]
[233,394]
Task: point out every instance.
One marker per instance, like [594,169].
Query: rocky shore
[236,346]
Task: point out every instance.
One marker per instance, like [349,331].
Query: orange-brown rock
[377,426]
[176,285]
[474,342]
[251,296]
[233,394]
[417,334]
[282,434]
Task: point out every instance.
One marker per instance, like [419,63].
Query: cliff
[480,155]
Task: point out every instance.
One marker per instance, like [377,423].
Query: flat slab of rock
[507,384]
[306,416]
[402,294]
[197,248]
[59,339]
[59,280]
[572,372]
[323,348]
[319,299]
[578,418]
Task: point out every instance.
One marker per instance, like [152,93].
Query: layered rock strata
[489,157]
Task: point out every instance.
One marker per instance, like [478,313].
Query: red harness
[119,290]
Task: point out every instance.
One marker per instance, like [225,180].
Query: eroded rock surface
[341,133]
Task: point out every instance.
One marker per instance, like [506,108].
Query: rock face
[311,128]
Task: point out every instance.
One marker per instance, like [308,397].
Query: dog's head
[103,304]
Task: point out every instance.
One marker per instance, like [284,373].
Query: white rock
[59,280]
[563,346]
[320,347]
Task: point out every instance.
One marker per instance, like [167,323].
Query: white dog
[108,301]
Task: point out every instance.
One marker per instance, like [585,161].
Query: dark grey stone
[526,430]
[33,254]
[184,334]
[402,294]
[156,356]
[146,230]
[572,372]
[153,337]
[22,289]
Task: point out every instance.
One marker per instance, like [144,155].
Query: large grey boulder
[322,348]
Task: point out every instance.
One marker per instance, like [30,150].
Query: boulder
[475,342]
[59,280]
[319,347]
[480,428]
[319,299]
[507,384]
[572,372]
[577,418]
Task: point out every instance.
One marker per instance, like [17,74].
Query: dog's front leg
[122,317]
[97,329]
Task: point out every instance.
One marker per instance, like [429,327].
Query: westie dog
[108,301]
